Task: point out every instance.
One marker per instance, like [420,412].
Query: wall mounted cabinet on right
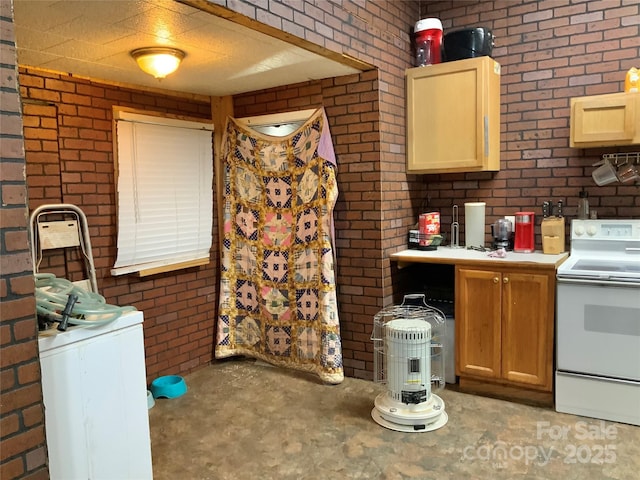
[605,120]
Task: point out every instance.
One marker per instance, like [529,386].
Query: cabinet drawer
[605,120]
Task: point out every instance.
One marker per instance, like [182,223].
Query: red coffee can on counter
[428,225]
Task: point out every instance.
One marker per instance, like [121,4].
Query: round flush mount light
[158,61]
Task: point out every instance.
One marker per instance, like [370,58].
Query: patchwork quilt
[278,295]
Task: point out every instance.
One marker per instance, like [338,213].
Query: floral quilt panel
[278,295]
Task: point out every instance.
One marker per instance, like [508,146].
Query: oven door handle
[595,281]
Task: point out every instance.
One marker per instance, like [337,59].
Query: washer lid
[53,338]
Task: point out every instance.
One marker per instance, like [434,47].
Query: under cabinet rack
[619,159]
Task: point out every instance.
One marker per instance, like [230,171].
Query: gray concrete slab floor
[242,419]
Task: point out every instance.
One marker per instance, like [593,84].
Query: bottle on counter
[583,206]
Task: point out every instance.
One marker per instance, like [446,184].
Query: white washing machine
[95,400]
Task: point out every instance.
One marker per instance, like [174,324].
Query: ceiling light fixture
[158,61]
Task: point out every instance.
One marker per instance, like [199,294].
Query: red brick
[9,424]
[29,373]
[25,329]
[50,123]
[67,132]
[31,81]
[12,125]
[13,195]
[17,353]
[12,148]
[38,459]
[46,95]
[22,442]
[56,84]
[41,157]
[8,379]
[12,171]
[74,99]
[15,263]
[13,468]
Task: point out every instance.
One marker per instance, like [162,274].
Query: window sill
[146,271]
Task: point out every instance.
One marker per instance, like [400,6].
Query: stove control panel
[605,229]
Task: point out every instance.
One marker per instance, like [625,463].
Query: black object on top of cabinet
[468,43]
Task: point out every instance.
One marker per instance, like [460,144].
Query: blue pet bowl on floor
[171,386]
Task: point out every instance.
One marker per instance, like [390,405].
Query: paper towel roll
[474,224]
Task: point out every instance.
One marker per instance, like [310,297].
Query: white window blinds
[165,197]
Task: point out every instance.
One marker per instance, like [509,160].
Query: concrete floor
[246,420]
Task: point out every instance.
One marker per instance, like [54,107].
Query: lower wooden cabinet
[504,327]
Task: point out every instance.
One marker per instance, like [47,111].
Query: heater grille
[409,359]
[414,365]
[422,332]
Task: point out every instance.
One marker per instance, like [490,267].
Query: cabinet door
[605,120]
[478,325]
[453,117]
[527,328]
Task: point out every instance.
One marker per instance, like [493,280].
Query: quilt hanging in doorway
[278,294]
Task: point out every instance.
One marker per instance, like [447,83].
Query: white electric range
[598,322]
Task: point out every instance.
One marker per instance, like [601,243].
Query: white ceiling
[93,38]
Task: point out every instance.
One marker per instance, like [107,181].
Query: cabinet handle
[505,280]
[496,279]
[486,135]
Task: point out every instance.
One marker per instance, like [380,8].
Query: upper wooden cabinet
[453,117]
[605,120]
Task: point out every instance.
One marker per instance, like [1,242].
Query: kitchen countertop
[449,255]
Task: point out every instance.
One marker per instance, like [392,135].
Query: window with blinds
[165,197]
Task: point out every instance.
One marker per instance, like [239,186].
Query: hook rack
[619,159]
[617,167]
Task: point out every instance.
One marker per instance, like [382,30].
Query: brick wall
[23,451]
[69,155]
[377,201]
[549,51]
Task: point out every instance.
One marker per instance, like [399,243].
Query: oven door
[598,328]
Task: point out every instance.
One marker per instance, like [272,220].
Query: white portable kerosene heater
[408,349]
